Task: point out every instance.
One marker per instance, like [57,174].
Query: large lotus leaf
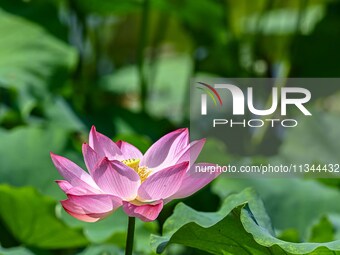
[277,246]
[240,227]
[218,233]
[31,219]
[290,203]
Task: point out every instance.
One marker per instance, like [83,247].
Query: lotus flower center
[142,171]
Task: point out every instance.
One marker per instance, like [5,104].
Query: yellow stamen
[142,171]
[133,163]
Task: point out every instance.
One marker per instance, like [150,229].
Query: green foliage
[68,64]
[103,7]
[291,203]
[32,146]
[100,233]
[213,232]
[309,143]
[142,143]
[15,251]
[45,225]
[32,61]
[322,232]
[101,250]
[241,226]
[31,219]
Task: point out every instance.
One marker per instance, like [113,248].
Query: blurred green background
[125,66]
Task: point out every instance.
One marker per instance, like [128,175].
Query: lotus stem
[130,236]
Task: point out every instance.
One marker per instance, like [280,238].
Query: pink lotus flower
[120,175]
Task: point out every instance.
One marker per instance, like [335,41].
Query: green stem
[130,236]
[160,33]
[140,53]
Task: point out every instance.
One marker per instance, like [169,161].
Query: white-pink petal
[91,207]
[163,183]
[129,151]
[192,152]
[147,212]
[115,178]
[91,158]
[164,151]
[70,190]
[72,173]
[104,146]
[194,181]
[85,217]
[64,185]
